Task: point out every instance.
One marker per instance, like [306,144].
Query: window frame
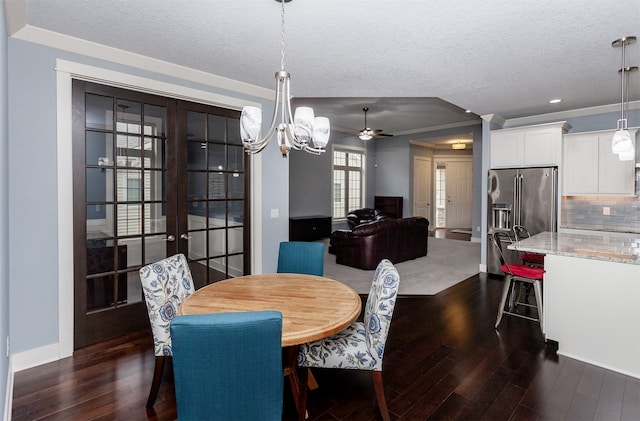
[347,169]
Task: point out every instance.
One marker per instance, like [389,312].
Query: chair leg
[503,300]
[382,402]
[303,374]
[155,383]
[537,290]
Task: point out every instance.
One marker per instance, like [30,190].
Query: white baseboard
[35,357]
[8,400]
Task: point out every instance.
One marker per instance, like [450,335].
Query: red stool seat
[523,271]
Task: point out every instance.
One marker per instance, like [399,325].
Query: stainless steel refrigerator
[523,196]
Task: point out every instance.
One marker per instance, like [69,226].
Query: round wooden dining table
[312,307]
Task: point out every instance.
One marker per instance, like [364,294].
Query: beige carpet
[447,262]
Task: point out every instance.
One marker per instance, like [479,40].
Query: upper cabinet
[530,146]
[591,168]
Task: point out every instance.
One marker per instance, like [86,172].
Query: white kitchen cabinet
[530,146]
[591,168]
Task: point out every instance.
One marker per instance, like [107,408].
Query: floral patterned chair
[166,284]
[361,345]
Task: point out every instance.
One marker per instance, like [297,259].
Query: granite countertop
[624,229]
[618,248]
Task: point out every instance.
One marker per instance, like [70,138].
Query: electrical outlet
[606,210]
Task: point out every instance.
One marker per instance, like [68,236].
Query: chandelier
[622,143]
[303,131]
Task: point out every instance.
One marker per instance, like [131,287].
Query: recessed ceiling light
[468,111]
[555,101]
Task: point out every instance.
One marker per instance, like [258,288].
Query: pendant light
[303,131]
[622,143]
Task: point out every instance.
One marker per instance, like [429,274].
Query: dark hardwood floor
[444,360]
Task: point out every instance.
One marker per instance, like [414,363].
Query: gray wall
[310,178]
[33,191]
[4,217]
[392,169]
[389,172]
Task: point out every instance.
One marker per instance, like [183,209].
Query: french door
[153,176]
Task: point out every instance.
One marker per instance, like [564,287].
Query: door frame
[65,72]
[430,184]
[445,159]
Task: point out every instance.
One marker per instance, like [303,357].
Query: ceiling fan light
[365,136]
[621,142]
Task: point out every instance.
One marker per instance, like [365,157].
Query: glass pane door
[214,195]
[153,177]
[122,139]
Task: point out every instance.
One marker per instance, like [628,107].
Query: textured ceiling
[491,57]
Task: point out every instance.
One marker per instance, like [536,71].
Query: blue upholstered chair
[301,257]
[361,345]
[165,285]
[228,366]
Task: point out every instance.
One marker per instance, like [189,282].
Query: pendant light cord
[624,43]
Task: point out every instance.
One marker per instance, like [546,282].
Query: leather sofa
[364,216]
[364,246]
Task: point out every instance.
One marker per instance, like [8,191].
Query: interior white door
[459,176]
[422,187]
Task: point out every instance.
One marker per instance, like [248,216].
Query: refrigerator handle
[516,195]
[519,211]
[554,199]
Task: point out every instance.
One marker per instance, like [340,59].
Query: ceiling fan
[367,133]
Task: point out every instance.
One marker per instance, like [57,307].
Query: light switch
[275,213]
[606,210]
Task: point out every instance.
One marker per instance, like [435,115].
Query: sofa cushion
[363,216]
[395,239]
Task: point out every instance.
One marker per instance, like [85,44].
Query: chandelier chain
[282,63]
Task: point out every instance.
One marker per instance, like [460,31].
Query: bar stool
[530,259]
[517,276]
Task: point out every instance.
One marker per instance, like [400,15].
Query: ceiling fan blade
[382,134]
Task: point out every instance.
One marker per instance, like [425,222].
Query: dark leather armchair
[364,216]
[395,239]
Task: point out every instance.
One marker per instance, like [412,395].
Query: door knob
[171,238]
[185,237]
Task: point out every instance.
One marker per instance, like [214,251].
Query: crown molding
[99,51]
[564,115]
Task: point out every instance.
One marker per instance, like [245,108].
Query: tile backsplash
[588,212]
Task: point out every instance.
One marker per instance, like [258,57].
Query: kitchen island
[591,296]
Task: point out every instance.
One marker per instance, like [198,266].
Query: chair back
[165,284]
[301,257]
[520,232]
[228,366]
[498,238]
[379,309]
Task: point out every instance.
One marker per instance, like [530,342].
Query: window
[441,183]
[348,182]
